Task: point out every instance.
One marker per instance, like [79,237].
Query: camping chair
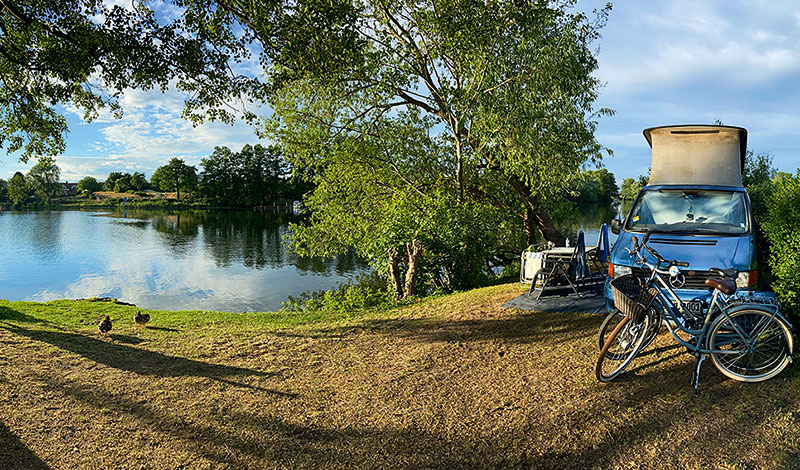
[562,265]
[531,262]
[597,256]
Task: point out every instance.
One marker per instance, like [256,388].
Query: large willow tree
[459,118]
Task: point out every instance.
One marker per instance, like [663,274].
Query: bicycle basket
[632,297]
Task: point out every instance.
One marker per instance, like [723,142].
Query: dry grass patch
[452,382]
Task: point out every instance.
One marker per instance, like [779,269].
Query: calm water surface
[208,260]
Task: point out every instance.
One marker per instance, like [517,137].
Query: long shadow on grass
[9,314]
[131,359]
[14,454]
[244,439]
[553,328]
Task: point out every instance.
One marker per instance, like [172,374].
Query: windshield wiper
[701,230]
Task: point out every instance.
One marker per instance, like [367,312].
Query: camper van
[696,205]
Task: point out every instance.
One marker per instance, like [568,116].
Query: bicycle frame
[675,313]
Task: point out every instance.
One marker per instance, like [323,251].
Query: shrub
[782,227]
[369,291]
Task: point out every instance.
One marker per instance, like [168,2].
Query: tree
[597,186]
[138,181]
[505,89]
[262,173]
[757,169]
[123,183]
[90,184]
[43,179]
[251,177]
[111,181]
[517,118]
[630,187]
[17,188]
[176,175]
[3,190]
[391,202]
[59,52]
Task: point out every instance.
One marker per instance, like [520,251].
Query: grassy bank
[455,381]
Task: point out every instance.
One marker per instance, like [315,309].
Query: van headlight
[620,270]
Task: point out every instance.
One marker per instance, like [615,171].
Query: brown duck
[141,319]
[104,327]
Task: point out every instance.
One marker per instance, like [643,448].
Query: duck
[140,318]
[104,327]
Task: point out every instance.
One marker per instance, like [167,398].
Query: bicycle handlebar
[656,255]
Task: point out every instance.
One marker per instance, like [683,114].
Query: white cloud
[647,47]
[150,132]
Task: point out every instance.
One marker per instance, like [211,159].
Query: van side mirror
[616,226]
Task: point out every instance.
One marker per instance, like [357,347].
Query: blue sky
[666,62]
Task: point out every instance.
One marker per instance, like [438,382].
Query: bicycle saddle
[727,286]
[730,272]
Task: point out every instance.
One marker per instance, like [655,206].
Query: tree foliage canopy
[251,177]
[596,186]
[86,53]
[89,183]
[42,179]
[630,187]
[17,188]
[175,176]
[454,106]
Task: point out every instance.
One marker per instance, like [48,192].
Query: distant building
[70,188]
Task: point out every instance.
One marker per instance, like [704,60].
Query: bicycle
[746,336]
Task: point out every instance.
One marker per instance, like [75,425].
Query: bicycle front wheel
[621,346]
[760,352]
[614,318]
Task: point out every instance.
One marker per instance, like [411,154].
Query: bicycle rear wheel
[770,348]
[621,346]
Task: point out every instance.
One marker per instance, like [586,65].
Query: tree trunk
[541,219]
[529,226]
[413,250]
[545,225]
[394,274]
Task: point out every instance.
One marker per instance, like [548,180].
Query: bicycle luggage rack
[768,299]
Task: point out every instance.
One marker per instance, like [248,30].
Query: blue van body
[701,251]
[695,195]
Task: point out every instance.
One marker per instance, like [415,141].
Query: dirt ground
[455,382]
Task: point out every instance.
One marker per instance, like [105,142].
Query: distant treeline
[254,176]
[595,186]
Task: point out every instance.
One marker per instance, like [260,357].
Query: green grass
[451,382]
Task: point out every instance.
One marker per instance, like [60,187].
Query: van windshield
[691,211]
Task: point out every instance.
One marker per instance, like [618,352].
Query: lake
[177,260]
[205,260]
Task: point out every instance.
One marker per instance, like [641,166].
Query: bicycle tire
[770,354]
[629,338]
[613,318]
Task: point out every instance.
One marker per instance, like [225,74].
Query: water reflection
[213,260]
[46,225]
[589,218]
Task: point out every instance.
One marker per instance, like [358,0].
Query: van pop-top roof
[697,154]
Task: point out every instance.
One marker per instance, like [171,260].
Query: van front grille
[695,281]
